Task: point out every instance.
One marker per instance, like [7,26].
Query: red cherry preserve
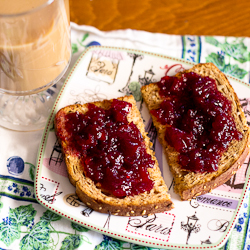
[112,150]
[198,119]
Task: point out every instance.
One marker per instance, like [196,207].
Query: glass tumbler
[35,52]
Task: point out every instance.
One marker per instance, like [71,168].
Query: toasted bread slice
[154,201]
[190,184]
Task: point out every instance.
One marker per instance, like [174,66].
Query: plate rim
[102,230]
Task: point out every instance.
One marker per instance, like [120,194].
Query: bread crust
[157,200]
[189,184]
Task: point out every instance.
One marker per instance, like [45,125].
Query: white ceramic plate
[105,73]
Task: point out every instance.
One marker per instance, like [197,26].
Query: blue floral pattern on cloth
[17,188]
[239,236]
[247,235]
[191,48]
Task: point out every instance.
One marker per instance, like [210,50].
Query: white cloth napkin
[25,224]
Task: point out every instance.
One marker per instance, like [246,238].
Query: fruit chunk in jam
[198,119]
[112,150]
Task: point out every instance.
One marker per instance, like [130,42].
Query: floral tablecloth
[25,224]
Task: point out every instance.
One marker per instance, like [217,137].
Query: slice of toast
[191,184]
[154,201]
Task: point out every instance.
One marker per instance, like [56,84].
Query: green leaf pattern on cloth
[32,170]
[236,50]
[11,225]
[74,48]
[9,231]
[235,71]
[49,216]
[109,243]
[72,242]
[217,59]
[37,238]
[78,227]
[22,215]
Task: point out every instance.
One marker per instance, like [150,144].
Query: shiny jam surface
[199,121]
[112,150]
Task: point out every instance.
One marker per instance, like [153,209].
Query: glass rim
[48,2]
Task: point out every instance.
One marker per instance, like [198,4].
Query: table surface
[181,17]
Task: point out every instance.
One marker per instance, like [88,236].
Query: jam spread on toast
[112,150]
[198,119]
